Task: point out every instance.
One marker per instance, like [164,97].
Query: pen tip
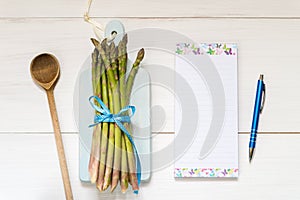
[251,150]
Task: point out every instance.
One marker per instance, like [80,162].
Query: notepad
[206,110]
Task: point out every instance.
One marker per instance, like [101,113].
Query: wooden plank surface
[268,46]
[155,8]
[267,33]
[29,169]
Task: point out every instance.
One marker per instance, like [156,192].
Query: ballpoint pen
[259,104]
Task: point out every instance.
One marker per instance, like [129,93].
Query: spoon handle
[59,146]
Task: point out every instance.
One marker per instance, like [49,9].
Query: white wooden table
[268,37]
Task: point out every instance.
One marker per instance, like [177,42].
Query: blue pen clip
[263,98]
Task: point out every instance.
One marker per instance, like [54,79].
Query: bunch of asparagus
[112,158]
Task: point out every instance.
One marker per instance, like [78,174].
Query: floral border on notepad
[206,49]
[206,172]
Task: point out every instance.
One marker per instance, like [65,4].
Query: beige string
[97,28]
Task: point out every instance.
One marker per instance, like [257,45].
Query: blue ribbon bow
[119,118]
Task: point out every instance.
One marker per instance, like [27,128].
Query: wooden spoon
[44,70]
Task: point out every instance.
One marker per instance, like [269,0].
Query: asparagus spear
[124,101]
[116,107]
[124,167]
[94,154]
[94,157]
[134,71]
[122,58]
[130,154]
[122,48]
[105,125]
[111,146]
[105,173]
[131,160]
[94,70]
[113,56]
[118,138]
[104,136]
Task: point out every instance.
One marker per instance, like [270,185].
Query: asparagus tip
[104,43]
[142,52]
[125,38]
[112,46]
[139,58]
[95,42]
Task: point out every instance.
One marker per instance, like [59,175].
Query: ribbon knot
[104,115]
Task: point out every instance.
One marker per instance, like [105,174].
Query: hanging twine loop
[97,28]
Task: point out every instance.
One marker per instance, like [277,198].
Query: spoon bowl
[45,70]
